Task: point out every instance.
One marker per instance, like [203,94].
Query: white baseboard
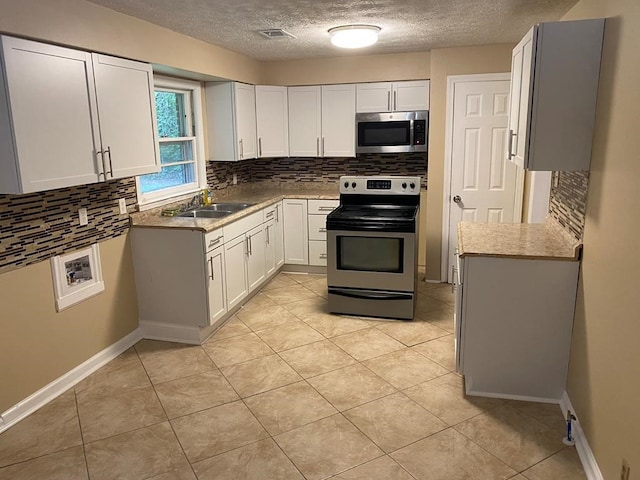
[61,384]
[524,398]
[588,460]
[169,333]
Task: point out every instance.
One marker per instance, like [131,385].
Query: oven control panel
[380,185]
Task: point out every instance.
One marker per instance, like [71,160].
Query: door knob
[457,199]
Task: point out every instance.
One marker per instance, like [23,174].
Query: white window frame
[168,195]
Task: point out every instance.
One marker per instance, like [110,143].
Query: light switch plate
[122,204]
[82,216]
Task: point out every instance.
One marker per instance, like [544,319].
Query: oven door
[384,261]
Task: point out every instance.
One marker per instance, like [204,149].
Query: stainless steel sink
[202,213]
[229,206]
[215,210]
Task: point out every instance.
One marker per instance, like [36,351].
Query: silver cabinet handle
[268,237]
[277,213]
[510,147]
[246,246]
[326,209]
[322,154]
[104,166]
[323,255]
[241,149]
[259,146]
[270,213]
[108,150]
[211,266]
[216,241]
[322,230]
[250,246]
[318,146]
[389,100]
[395,100]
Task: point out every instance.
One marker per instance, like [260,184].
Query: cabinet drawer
[322,206]
[242,226]
[213,239]
[317,252]
[317,227]
[271,212]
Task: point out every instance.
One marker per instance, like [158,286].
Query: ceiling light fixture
[354,36]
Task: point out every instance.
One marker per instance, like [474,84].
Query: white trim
[451,82]
[588,460]
[524,398]
[539,194]
[169,332]
[66,381]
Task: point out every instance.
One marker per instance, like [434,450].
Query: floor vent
[275,33]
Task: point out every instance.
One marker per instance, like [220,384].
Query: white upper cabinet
[58,117]
[272,121]
[392,96]
[305,121]
[126,108]
[338,121]
[231,121]
[554,86]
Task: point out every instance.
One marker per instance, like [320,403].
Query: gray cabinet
[554,84]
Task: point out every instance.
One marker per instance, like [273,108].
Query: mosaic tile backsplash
[35,227]
[568,201]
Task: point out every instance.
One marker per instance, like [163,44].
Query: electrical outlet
[82,216]
[122,204]
[625,471]
[235,179]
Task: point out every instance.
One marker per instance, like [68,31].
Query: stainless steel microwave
[392,132]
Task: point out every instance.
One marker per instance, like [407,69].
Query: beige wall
[604,372]
[362,68]
[445,62]
[40,344]
[82,24]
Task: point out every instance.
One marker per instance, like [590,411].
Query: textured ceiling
[407,25]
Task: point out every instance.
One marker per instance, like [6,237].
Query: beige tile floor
[287,391]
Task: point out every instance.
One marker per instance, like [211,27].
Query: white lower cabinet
[317,221]
[237,283]
[216,284]
[296,237]
[514,318]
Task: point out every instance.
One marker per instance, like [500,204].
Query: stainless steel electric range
[372,247]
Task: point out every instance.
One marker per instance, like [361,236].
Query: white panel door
[235,253]
[216,284]
[256,264]
[305,121]
[126,106]
[373,97]
[51,98]
[272,121]
[411,96]
[483,182]
[338,121]
[245,109]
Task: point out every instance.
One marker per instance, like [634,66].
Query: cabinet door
[296,240]
[216,284]
[305,121]
[235,253]
[256,263]
[411,96]
[272,121]
[245,106]
[318,253]
[50,117]
[519,107]
[278,234]
[373,97]
[126,108]
[270,248]
[338,121]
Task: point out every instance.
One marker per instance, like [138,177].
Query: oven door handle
[367,295]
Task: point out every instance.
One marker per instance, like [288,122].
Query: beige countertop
[544,241]
[260,196]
